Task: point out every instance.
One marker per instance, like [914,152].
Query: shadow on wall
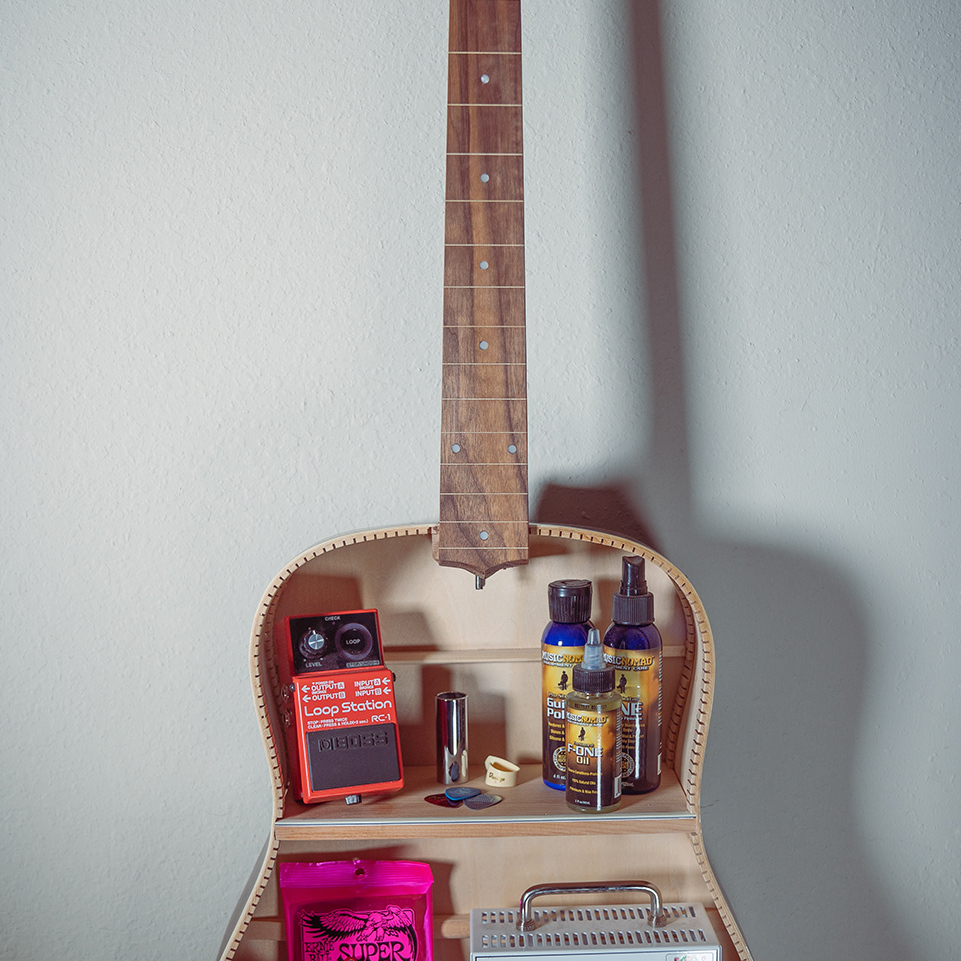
[778,794]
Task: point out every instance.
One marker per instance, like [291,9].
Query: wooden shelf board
[450,927]
[506,655]
[528,809]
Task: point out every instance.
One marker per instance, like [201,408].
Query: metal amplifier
[659,932]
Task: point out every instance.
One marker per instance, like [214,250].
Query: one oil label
[556,674]
[593,750]
[637,678]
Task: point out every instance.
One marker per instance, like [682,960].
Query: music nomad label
[593,756]
[637,678]
[557,665]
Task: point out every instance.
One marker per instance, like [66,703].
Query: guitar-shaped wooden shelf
[441,633]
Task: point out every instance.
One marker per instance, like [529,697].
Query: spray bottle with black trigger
[632,647]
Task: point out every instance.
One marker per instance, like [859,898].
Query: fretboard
[483,501]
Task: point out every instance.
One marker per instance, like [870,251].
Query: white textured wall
[220,238]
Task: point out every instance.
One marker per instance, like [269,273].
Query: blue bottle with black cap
[562,647]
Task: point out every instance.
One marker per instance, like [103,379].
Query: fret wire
[486,53]
[450,104]
[521,548]
[471,363]
[467,200]
[481,287]
[507,433]
[482,153]
[483,245]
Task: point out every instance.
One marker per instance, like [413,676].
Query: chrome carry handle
[525,921]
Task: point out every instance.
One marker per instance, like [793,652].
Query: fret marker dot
[485,178]
[512,449]
[484,265]
[484,535]
[483,345]
[455,448]
[485,78]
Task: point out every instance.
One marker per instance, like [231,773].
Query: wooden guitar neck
[483,501]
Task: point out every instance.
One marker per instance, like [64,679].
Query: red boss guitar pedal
[344,741]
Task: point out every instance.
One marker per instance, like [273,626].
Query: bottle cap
[569,602]
[633,603]
[592,675]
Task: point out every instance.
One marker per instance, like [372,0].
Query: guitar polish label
[557,665]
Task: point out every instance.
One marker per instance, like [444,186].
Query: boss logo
[353,742]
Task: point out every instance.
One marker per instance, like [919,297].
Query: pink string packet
[357,910]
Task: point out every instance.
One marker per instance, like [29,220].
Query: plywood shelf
[503,655]
[452,927]
[530,809]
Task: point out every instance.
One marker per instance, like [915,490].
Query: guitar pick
[481,801]
[460,793]
[442,800]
